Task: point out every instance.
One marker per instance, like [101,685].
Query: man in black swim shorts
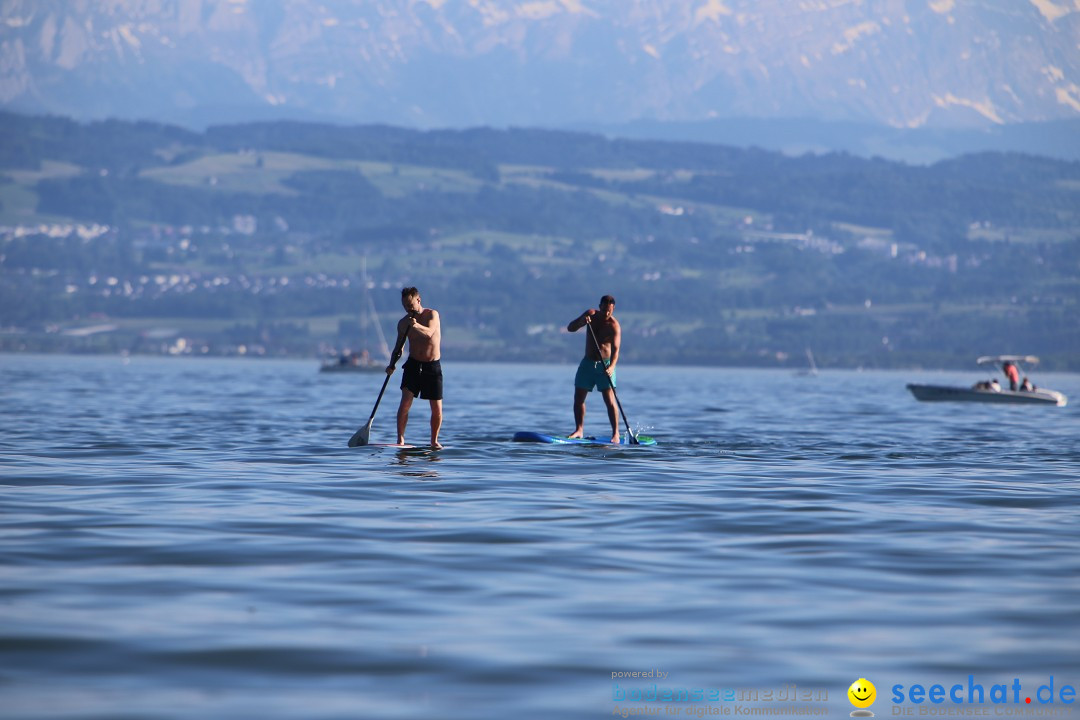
[421,375]
[422,379]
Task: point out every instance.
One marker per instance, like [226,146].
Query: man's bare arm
[580,321]
[428,330]
[399,345]
[616,341]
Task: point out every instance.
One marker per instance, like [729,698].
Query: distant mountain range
[553,63]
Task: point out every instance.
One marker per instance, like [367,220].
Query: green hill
[255,236]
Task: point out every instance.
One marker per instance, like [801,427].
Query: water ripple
[193,539]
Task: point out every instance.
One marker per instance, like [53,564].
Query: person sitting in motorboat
[1012,373]
[995,385]
[1027,386]
[985,385]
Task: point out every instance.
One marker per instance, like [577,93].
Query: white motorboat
[991,391]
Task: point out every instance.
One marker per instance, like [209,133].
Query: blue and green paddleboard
[557,440]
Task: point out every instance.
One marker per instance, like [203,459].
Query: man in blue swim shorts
[597,368]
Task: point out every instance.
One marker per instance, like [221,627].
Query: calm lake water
[193,539]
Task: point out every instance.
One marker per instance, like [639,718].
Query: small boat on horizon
[810,371]
[347,361]
[991,391]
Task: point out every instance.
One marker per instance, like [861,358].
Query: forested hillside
[148,238]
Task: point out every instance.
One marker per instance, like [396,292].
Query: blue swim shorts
[593,373]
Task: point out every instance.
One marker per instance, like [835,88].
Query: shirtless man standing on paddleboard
[597,369]
[421,375]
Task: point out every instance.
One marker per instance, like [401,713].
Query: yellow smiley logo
[862,693]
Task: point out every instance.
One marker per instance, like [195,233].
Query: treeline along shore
[263,239]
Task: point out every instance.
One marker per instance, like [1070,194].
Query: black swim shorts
[422,379]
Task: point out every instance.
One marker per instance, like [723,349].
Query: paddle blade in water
[361,436]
